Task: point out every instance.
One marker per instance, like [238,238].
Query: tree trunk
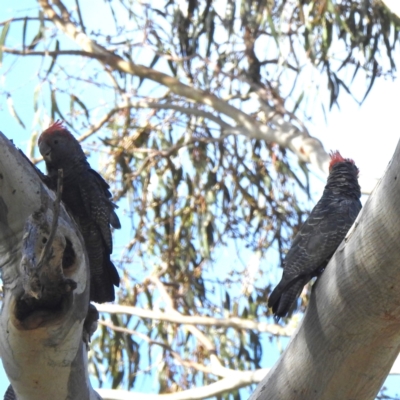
[46,293]
[350,335]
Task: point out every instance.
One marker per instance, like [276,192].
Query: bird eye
[56,142]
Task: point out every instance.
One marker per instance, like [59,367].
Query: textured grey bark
[43,313]
[350,335]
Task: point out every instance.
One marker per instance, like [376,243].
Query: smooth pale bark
[350,335]
[43,352]
[393,6]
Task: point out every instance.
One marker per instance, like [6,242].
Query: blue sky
[368,134]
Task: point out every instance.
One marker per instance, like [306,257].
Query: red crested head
[59,147]
[58,127]
[336,157]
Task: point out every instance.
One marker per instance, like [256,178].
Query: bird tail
[274,297]
[9,394]
[102,282]
[283,297]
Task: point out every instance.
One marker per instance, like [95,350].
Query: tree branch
[284,133]
[150,342]
[393,6]
[222,372]
[196,332]
[236,380]
[51,53]
[307,148]
[233,322]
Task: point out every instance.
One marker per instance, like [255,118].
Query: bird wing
[312,248]
[100,180]
[97,207]
[319,237]
[114,220]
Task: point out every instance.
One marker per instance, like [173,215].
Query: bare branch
[233,322]
[236,380]
[157,106]
[307,148]
[50,53]
[222,372]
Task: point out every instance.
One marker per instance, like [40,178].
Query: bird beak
[45,151]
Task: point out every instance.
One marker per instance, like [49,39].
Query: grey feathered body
[319,237]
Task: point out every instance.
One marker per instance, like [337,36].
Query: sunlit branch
[233,322]
[307,148]
[227,129]
[157,106]
[236,380]
[284,133]
[51,53]
[222,372]
[393,6]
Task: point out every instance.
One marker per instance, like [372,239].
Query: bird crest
[336,157]
[58,127]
